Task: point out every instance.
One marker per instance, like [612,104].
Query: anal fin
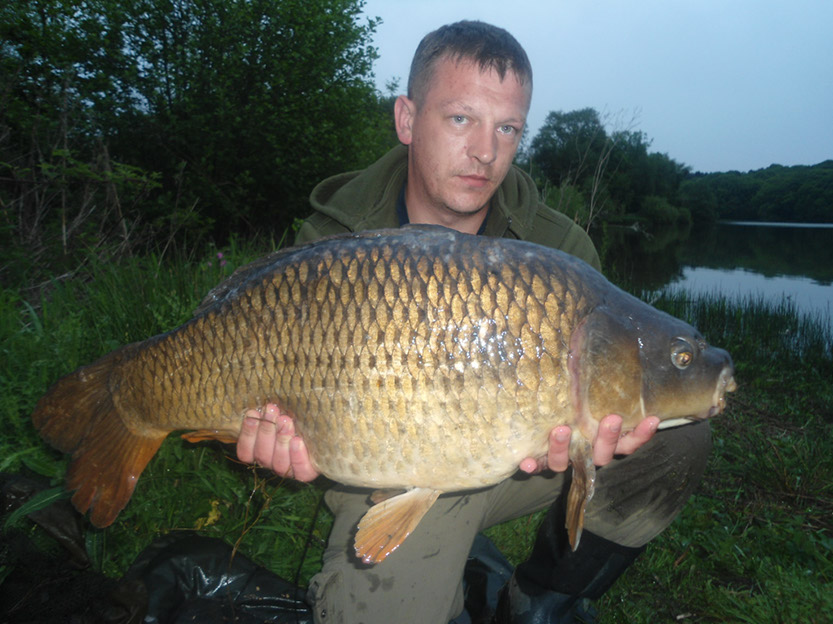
[581,488]
[201,435]
[386,525]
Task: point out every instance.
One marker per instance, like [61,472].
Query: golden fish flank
[419,358]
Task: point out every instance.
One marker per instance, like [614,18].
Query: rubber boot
[487,572]
[556,585]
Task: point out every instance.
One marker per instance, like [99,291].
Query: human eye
[508,130]
[459,120]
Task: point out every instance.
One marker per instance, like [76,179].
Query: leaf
[95,543]
[42,464]
[39,501]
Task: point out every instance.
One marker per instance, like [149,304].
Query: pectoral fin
[386,525]
[581,488]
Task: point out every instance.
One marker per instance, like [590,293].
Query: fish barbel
[418,358]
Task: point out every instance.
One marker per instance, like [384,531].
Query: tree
[613,171]
[572,150]
[240,107]
[569,145]
[254,101]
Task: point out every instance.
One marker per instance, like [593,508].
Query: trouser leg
[422,580]
[419,582]
[636,498]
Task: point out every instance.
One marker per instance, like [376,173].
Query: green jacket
[366,200]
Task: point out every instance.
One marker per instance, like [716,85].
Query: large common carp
[417,358]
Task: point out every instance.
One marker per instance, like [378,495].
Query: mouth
[475,180]
[725,383]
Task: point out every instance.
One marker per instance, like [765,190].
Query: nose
[482,145]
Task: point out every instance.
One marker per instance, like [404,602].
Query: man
[460,125]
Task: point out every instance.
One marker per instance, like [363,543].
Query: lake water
[773,261]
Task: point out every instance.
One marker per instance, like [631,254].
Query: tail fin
[77,415]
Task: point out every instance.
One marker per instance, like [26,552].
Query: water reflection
[773,261]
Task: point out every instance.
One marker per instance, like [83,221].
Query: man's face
[462,138]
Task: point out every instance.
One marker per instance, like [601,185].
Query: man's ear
[404,111]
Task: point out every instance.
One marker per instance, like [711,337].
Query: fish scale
[419,358]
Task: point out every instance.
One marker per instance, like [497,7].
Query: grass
[755,544]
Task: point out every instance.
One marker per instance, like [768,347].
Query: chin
[468,207]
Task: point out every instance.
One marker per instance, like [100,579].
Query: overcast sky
[718,85]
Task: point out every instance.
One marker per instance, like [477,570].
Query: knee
[637,497]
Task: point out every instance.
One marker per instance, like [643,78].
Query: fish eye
[682,353]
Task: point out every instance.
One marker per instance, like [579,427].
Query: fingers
[558,457]
[281,462]
[643,432]
[299,458]
[268,439]
[607,437]
[247,437]
[530,466]
[558,453]
[609,442]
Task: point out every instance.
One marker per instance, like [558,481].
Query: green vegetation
[593,170]
[754,545]
[158,124]
[145,123]
[777,193]
[81,319]
[593,173]
[137,136]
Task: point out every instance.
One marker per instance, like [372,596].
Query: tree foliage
[799,193]
[217,115]
[613,172]
[591,173]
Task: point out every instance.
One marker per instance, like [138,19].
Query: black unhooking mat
[177,580]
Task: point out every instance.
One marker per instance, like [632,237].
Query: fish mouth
[725,383]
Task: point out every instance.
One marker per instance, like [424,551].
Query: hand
[268,439]
[608,442]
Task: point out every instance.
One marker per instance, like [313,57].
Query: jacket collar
[362,200]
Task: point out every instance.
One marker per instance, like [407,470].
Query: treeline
[800,194]
[592,173]
[149,125]
[129,124]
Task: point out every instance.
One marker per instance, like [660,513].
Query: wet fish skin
[417,358]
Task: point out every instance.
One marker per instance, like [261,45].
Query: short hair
[489,46]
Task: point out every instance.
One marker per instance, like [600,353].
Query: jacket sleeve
[554,229]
